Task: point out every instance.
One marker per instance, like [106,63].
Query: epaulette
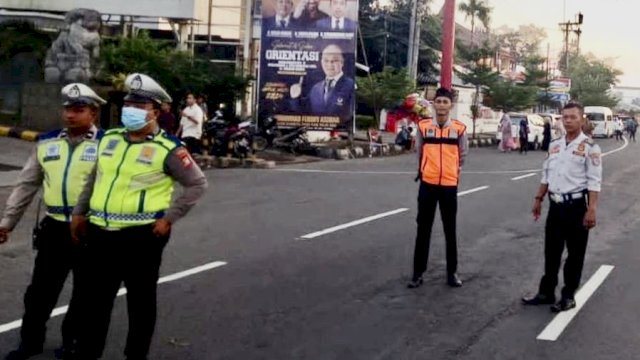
[588,141]
[49,135]
[172,138]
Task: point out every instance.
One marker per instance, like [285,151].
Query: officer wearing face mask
[125,214]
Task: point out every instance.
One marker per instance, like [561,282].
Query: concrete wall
[40,106]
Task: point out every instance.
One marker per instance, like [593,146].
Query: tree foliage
[177,71]
[591,81]
[384,89]
[522,43]
[477,9]
[22,37]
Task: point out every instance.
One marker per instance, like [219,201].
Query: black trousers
[133,256]
[57,256]
[564,226]
[524,144]
[632,135]
[429,197]
[193,145]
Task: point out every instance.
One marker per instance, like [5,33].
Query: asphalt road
[342,295]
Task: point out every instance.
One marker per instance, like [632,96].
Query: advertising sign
[307,63]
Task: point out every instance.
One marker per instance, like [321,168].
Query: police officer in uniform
[442,146]
[571,176]
[60,163]
[125,214]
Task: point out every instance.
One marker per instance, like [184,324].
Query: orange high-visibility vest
[440,162]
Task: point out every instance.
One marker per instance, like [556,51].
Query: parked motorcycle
[291,140]
[228,137]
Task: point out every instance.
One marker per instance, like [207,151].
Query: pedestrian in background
[125,216]
[202,102]
[571,176]
[632,127]
[442,146]
[546,135]
[166,120]
[59,164]
[523,134]
[619,127]
[191,125]
[506,144]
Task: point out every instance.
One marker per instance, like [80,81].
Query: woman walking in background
[507,136]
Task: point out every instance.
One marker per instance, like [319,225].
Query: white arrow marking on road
[555,328]
[523,176]
[374,217]
[173,277]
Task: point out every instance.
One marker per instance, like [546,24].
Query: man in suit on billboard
[337,21]
[331,96]
[284,16]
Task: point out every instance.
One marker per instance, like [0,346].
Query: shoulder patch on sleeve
[185,157]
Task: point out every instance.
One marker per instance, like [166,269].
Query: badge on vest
[53,153]
[111,147]
[90,153]
[431,133]
[146,155]
[453,134]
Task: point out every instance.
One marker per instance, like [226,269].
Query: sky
[610,31]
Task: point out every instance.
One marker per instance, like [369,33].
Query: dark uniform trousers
[133,256]
[429,196]
[57,256]
[564,225]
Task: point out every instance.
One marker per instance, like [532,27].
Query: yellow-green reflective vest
[65,170]
[131,186]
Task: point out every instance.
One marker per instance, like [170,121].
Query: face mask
[134,119]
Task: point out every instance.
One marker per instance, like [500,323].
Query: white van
[601,119]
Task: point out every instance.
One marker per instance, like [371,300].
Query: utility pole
[567,27]
[412,39]
[448,42]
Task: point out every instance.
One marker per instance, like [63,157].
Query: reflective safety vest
[65,170]
[131,186]
[440,162]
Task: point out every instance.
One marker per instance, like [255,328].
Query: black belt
[565,198]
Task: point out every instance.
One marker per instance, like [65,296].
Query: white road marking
[173,277]
[352,224]
[364,172]
[555,328]
[373,218]
[523,176]
[471,191]
[626,143]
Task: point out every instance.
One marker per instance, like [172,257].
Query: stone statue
[73,54]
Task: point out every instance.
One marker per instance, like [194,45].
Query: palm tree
[477,9]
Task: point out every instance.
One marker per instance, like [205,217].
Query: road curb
[19,133]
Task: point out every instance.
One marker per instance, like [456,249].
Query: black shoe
[415,282]
[539,299]
[454,281]
[563,305]
[22,354]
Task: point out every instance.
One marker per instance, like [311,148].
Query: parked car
[536,129]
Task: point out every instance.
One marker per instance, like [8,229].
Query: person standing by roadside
[191,125]
[202,102]
[442,146]
[166,120]
[523,134]
[546,135]
[506,144]
[632,127]
[619,128]
[571,176]
[125,214]
[59,164]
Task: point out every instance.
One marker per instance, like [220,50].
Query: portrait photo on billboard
[326,15]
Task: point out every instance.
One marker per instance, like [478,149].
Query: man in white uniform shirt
[191,125]
[572,176]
